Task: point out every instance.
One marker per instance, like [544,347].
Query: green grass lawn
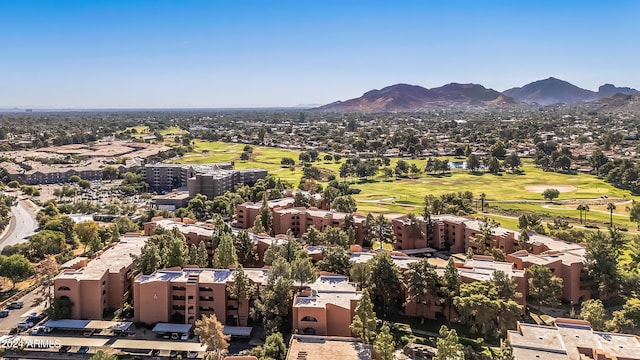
[173,130]
[382,195]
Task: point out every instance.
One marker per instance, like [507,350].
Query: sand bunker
[540,188]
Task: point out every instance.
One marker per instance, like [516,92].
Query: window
[309,318]
[64,288]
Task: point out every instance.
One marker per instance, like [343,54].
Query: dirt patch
[540,188]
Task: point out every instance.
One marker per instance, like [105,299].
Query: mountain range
[405,97]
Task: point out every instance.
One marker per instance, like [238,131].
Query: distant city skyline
[216,54]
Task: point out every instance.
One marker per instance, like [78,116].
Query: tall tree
[611,207]
[473,163]
[634,212]
[380,230]
[414,227]
[209,329]
[265,216]
[364,321]
[274,347]
[450,285]
[344,204]
[422,281]
[580,209]
[360,273]
[336,236]
[303,271]
[312,236]
[288,250]
[448,346]
[597,159]
[592,310]
[482,241]
[242,288]
[275,298]
[202,255]
[627,320]
[385,278]
[86,231]
[482,199]
[46,271]
[550,194]
[335,260]
[512,161]
[505,286]
[225,255]
[149,259]
[245,249]
[15,268]
[384,344]
[601,261]
[176,251]
[493,165]
[544,287]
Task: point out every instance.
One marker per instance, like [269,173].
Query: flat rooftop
[211,276]
[112,260]
[169,224]
[322,348]
[483,270]
[334,290]
[567,339]
[402,262]
[159,345]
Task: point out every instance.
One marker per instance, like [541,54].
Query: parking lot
[16,315]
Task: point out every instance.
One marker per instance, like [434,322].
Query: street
[23,224]
[15,316]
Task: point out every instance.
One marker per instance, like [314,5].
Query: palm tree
[580,208]
[611,207]
[586,210]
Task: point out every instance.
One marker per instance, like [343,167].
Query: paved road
[23,224]
[15,316]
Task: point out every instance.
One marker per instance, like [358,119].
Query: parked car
[25,324]
[15,305]
[64,349]
[83,350]
[4,313]
[40,330]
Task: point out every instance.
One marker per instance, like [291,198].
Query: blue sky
[166,54]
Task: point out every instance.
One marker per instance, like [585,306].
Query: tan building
[93,158]
[571,339]
[297,219]
[208,179]
[326,307]
[309,347]
[101,284]
[184,295]
[568,265]
[480,268]
[566,260]
[449,232]
[195,233]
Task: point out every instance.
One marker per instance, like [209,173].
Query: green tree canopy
[364,321]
